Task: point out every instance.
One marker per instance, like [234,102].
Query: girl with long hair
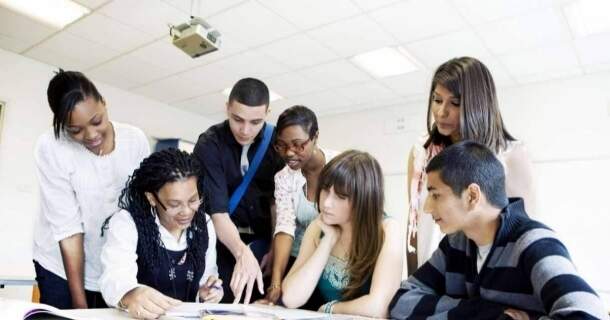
[161,247]
[351,253]
[462,105]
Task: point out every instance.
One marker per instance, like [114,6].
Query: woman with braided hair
[160,248]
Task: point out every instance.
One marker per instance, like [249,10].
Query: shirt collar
[232,140]
[169,240]
[511,217]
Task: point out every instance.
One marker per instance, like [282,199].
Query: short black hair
[66,89]
[298,115]
[469,162]
[250,92]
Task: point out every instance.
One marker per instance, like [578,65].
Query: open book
[20,309]
[234,311]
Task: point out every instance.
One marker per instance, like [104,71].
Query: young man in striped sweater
[494,262]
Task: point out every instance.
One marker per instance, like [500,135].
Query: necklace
[190,274]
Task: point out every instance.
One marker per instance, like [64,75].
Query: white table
[108,314]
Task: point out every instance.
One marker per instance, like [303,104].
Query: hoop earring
[153,211]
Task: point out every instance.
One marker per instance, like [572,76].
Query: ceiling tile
[238,24]
[278,106]
[418,19]
[140,72]
[108,32]
[334,74]
[12,44]
[204,105]
[477,11]
[368,5]
[298,51]
[498,71]
[92,4]
[150,17]
[540,60]
[203,9]
[219,75]
[307,14]
[292,84]
[218,117]
[433,52]
[593,50]
[409,84]
[604,67]
[381,103]
[18,32]
[538,28]
[323,100]
[367,92]
[171,89]
[353,36]
[549,75]
[71,52]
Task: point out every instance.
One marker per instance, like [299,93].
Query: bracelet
[274,286]
[328,307]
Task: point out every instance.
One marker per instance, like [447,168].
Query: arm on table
[386,278]
[423,294]
[304,275]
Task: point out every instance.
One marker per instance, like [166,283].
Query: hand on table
[147,303]
[246,273]
[211,291]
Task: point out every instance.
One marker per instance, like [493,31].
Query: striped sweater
[528,268]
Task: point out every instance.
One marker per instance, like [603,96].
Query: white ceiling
[302,48]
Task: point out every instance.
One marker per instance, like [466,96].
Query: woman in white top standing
[161,248]
[295,189]
[462,106]
[82,165]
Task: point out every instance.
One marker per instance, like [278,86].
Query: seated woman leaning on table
[161,248]
[351,253]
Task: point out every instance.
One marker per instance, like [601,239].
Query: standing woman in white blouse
[82,165]
[161,248]
[462,105]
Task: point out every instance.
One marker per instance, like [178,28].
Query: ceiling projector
[195,37]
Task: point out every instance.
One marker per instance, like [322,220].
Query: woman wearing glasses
[295,187]
[161,248]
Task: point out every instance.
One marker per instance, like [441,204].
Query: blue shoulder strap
[258,157]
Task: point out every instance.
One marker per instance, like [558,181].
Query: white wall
[566,126]
[23,84]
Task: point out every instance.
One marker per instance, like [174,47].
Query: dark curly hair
[158,169]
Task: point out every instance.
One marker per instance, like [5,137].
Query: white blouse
[119,255]
[288,184]
[78,191]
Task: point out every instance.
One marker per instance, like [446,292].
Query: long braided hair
[159,168]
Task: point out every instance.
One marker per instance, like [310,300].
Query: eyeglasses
[295,147]
[175,209]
